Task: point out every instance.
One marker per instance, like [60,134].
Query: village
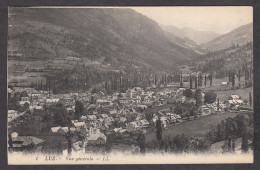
[97,122]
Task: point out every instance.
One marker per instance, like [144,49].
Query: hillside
[120,37]
[232,58]
[239,36]
[197,36]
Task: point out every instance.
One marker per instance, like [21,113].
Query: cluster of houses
[118,113]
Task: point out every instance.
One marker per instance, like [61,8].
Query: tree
[250,99]
[233,80]
[94,90]
[210,97]
[79,108]
[196,82]
[244,145]
[198,98]
[60,115]
[69,136]
[111,138]
[25,106]
[218,105]
[148,116]
[187,93]
[178,109]
[141,142]
[59,148]
[182,143]
[211,78]
[24,94]
[158,129]
[190,83]
[239,75]
[10,142]
[92,100]
[229,76]
[205,81]
[181,82]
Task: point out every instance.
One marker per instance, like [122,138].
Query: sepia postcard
[130,85]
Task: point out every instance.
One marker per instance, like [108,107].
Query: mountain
[197,36]
[232,58]
[240,36]
[120,37]
[185,41]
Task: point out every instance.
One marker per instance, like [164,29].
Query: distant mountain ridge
[197,36]
[114,36]
[238,36]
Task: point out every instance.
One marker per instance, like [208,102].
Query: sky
[220,20]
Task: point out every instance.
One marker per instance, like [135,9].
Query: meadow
[194,128]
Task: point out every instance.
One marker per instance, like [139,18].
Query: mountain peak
[240,36]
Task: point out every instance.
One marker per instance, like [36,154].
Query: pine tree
[211,80]
[205,81]
[141,142]
[218,105]
[244,145]
[181,83]
[190,82]
[233,80]
[68,136]
[10,142]
[196,85]
[158,129]
[250,99]
[239,75]
[198,98]
[229,76]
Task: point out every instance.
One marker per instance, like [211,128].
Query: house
[83,118]
[70,110]
[92,117]
[144,123]
[74,121]
[96,139]
[12,113]
[132,126]
[55,129]
[77,146]
[38,108]
[104,116]
[125,101]
[24,98]
[51,101]
[21,143]
[142,106]
[109,120]
[79,125]
[122,119]
[164,121]
[22,103]
[139,116]
[35,94]
[172,116]
[234,97]
[89,123]
[160,102]
[63,130]
[112,112]
[205,110]
[224,83]
[130,93]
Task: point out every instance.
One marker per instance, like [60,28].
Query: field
[244,93]
[195,128]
